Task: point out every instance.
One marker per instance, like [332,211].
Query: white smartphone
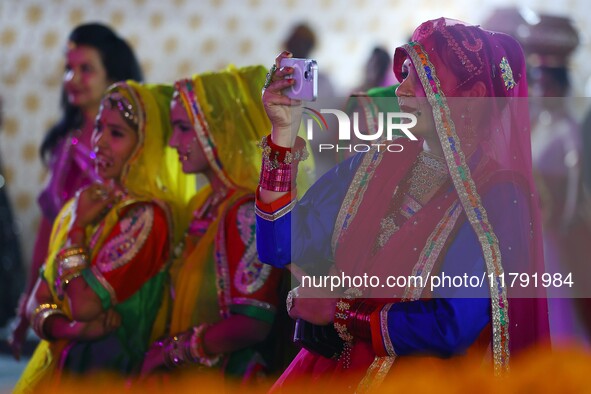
[305,74]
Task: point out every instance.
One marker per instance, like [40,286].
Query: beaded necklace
[428,173]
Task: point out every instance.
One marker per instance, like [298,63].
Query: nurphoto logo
[394,122]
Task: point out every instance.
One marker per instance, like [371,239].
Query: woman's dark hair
[301,40]
[120,64]
[379,63]
[558,76]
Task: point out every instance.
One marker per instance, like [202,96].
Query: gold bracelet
[71,251]
[70,267]
[40,315]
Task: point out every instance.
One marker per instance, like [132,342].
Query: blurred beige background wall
[175,38]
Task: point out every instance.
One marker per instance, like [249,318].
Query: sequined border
[186,89]
[141,128]
[249,261]
[507,73]
[222,269]
[431,251]
[386,341]
[354,195]
[470,200]
[271,217]
[124,247]
[376,373]
[256,303]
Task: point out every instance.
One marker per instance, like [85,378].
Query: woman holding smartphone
[460,200]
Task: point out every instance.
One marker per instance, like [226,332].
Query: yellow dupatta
[227,114]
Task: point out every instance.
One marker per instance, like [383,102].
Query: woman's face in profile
[85,77]
[113,141]
[184,139]
[412,99]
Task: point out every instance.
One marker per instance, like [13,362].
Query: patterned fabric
[134,230]
[251,279]
[123,264]
[250,274]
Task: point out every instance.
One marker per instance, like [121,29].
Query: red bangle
[280,164]
[275,155]
[75,230]
[358,323]
[283,154]
[279,179]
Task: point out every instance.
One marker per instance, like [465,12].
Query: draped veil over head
[226,111]
[445,49]
[153,170]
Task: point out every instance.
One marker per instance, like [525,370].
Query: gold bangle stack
[40,315]
[187,347]
[71,262]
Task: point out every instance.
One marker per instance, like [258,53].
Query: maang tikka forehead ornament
[121,103]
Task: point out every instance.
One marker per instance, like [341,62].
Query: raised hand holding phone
[305,74]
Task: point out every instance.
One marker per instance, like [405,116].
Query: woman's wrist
[197,347]
[283,137]
[71,261]
[46,321]
[77,234]
[187,348]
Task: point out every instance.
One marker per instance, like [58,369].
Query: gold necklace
[428,174]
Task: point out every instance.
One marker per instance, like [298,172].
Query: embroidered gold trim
[256,303]
[271,217]
[141,126]
[384,329]
[490,245]
[356,187]
[429,254]
[202,129]
[375,375]
[135,229]
[250,273]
